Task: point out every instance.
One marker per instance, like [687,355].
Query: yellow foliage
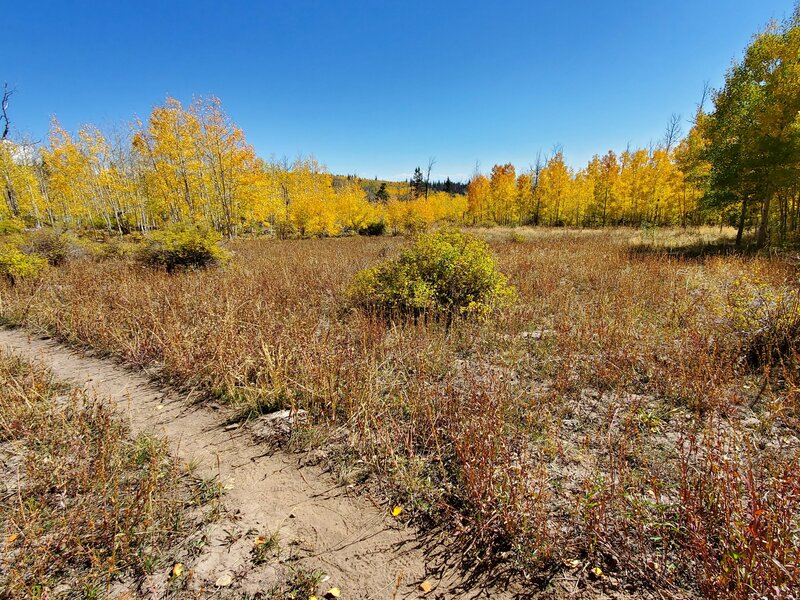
[16,265]
[193,165]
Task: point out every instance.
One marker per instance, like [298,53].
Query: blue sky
[376,88]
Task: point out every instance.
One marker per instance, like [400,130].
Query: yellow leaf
[12,538]
[396,511]
[334,592]
[312,598]
[426,586]
[177,570]
[597,572]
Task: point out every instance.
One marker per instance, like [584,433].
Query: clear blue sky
[376,88]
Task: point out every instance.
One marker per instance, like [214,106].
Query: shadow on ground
[698,250]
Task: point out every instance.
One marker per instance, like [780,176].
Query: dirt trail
[362,549]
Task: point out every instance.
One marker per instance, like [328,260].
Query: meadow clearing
[631,418]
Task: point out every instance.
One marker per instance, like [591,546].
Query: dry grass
[84,508]
[610,419]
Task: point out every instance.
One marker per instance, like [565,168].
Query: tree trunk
[741,222]
[763,225]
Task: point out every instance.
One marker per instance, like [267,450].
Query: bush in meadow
[447,273]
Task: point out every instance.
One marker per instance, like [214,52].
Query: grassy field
[631,418]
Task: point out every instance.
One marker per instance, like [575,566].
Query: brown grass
[579,429]
[84,508]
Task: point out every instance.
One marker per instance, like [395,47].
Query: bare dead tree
[706,93]
[431,162]
[672,132]
[477,171]
[7,93]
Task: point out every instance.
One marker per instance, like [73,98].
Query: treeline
[738,165]
[636,187]
[194,165]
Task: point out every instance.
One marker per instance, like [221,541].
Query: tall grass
[83,505]
[572,429]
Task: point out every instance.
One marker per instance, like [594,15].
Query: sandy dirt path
[361,548]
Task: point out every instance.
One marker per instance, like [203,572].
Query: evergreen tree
[417,183]
[382,195]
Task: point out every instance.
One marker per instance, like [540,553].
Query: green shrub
[446,273]
[183,246]
[15,264]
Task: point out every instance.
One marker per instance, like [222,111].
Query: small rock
[751,422]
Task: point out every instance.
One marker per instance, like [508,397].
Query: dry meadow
[631,419]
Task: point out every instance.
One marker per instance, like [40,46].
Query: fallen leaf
[177,570]
[224,580]
[598,572]
[12,538]
[334,592]
[312,598]
[396,511]
[426,586]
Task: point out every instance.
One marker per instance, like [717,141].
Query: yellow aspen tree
[633,186]
[694,171]
[309,198]
[554,181]
[502,194]
[68,173]
[168,144]
[394,215]
[353,210]
[582,196]
[478,198]
[19,185]
[605,206]
[524,197]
